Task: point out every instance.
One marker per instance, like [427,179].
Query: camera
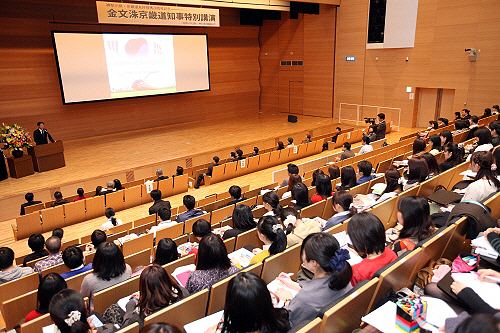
[369,121]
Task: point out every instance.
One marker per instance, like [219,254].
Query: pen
[492,278]
[431,324]
[286,275]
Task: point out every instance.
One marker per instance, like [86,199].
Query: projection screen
[104,66]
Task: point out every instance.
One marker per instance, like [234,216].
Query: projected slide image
[140,64]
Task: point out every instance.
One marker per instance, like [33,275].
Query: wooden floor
[114,152]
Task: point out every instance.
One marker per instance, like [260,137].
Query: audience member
[189,202]
[465,114]
[297,228]
[249,308]
[435,141]
[73,259]
[445,137]
[393,185]
[494,109]
[494,127]
[242,221]
[36,243]
[334,172]
[485,183]
[271,233]
[98,191]
[164,216]
[418,171]
[443,122]
[110,187]
[179,171]
[292,170]
[290,143]
[271,202]
[212,265]
[118,185]
[200,229]
[232,157]
[50,285]
[338,131]
[58,232]
[158,202]
[29,202]
[294,179]
[381,127]
[347,178]
[97,237]
[280,145]
[300,195]
[255,151]
[460,127]
[68,311]
[483,141]
[235,192]
[457,116]
[81,195]
[474,120]
[112,220]
[418,147]
[342,203]
[487,113]
[453,155]
[53,245]
[308,138]
[432,164]
[365,170]
[160,328]
[109,269]
[201,177]
[59,199]
[367,235]
[346,151]
[414,216]
[157,290]
[321,254]
[166,252]
[371,133]
[9,270]
[239,154]
[159,175]
[315,174]
[323,188]
[366,146]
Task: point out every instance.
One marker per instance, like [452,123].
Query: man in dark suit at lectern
[41,136]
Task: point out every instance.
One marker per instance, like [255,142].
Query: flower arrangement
[14,138]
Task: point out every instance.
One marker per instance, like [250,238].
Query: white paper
[484,247]
[273,286]
[341,238]
[243,256]
[488,291]
[384,318]
[49,329]
[201,325]
[122,302]
[149,186]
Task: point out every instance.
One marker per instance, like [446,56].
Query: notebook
[444,197]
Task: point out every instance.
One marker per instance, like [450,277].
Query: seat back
[115,200]
[27,225]
[219,214]
[180,184]
[345,316]
[172,232]
[75,282]
[183,312]
[133,196]
[95,207]
[171,266]
[249,237]
[104,298]
[287,261]
[135,245]
[52,218]
[141,258]
[36,325]
[74,212]
[166,186]
[314,209]
[11,289]
[16,309]
[218,290]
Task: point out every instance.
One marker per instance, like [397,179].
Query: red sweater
[32,315]
[366,268]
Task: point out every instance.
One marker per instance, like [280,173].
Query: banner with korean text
[129,13]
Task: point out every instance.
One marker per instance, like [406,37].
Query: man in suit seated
[346,152]
[189,202]
[41,136]
[235,192]
[381,127]
[59,199]
[179,171]
[159,175]
[110,187]
[30,202]
[201,177]
[156,196]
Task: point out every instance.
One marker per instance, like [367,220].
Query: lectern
[47,157]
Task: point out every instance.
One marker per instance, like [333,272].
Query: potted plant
[14,138]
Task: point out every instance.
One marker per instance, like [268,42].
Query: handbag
[465,262]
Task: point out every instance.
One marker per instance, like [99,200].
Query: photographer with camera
[381,127]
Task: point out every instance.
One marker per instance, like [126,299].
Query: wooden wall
[30,85]
[306,89]
[444,29]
